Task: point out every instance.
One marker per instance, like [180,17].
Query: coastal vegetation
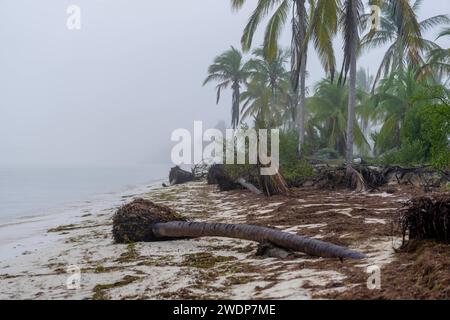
[399,116]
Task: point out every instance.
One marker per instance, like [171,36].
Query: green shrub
[297,172]
[436,132]
[411,153]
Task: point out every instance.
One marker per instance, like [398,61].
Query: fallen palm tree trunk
[427,217]
[145,221]
[179,229]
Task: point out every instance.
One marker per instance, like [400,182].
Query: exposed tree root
[427,217]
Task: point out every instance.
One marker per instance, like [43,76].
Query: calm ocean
[26,193]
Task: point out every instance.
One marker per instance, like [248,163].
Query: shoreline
[29,232]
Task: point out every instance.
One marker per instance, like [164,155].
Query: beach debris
[427,217]
[133,221]
[247,177]
[144,221]
[200,170]
[218,175]
[180,176]
[356,177]
[423,177]
[370,178]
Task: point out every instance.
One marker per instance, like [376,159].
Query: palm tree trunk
[351,111]
[180,229]
[300,50]
[351,105]
[302,102]
[235,110]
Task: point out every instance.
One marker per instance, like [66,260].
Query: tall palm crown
[271,73]
[305,26]
[400,29]
[267,86]
[229,70]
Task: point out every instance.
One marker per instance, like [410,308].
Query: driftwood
[142,220]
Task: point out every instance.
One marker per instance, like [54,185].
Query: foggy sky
[111,93]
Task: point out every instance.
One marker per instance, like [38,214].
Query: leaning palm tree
[260,103]
[145,221]
[305,26]
[402,31]
[229,69]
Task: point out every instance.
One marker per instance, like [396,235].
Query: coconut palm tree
[350,22]
[304,28]
[394,97]
[270,73]
[229,70]
[263,99]
[328,109]
[401,30]
[259,105]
